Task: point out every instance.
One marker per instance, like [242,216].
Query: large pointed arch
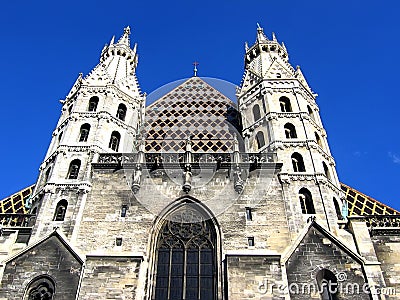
[186,253]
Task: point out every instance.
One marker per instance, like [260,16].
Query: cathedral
[195,196]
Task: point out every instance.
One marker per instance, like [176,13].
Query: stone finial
[260,34]
[274,37]
[246,46]
[124,40]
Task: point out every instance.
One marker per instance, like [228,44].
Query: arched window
[306,201]
[47,174]
[186,264]
[84,132]
[93,102]
[260,139]
[298,163]
[73,170]
[318,139]
[290,131]
[61,209]
[284,102]
[310,112]
[256,112]
[121,112]
[60,136]
[337,209]
[41,288]
[327,284]
[114,141]
[326,170]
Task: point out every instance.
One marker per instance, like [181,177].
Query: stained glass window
[186,265]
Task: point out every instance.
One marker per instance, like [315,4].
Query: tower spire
[125,40]
[260,34]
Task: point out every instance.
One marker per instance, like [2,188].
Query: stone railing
[177,158]
[17,220]
[383,221]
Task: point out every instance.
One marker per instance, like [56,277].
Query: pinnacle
[125,40]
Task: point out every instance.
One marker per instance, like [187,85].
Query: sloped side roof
[192,110]
[15,204]
[362,205]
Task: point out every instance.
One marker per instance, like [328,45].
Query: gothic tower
[102,113]
[280,114]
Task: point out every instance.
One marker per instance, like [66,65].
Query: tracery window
[186,258]
[285,105]
[41,288]
[114,140]
[93,102]
[306,201]
[290,131]
[298,163]
[84,132]
[73,170]
[61,209]
[121,112]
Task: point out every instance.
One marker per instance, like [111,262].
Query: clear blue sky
[348,50]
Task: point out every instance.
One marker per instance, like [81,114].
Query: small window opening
[256,112]
[121,112]
[260,139]
[84,133]
[118,241]
[250,241]
[318,139]
[70,109]
[306,201]
[298,163]
[114,141]
[47,174]
[249,215]
[124,209]
[61,209]
[290,131]
[285,104]
[310,112]
[73,170]
[337,209]
[326,170]
[93,102]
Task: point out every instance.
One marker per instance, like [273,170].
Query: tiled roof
[16,202]
[360,204]
[192,110]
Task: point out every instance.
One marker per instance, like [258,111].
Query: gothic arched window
[41,288]
[284,102]
[114,140]
[310,112]
[93,102]
[298,163]
[186,257]
[260,139]
[121,112]
[84,132]
[318,139]
[290,131]
[337,209]
[256,112]
[327,284]
[306,201]
[326,170]
[47,174]
[61,209]
[73,170]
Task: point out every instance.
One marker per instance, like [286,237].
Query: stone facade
[214,201]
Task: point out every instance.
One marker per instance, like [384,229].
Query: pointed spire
[260,34]
[124,40]
[274,37]
[246,46]
[112,40]
[283,46]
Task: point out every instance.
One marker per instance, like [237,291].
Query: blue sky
[348,51]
